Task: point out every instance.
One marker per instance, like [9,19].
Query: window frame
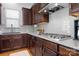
[12,18]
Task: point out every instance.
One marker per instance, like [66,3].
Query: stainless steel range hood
[53,7]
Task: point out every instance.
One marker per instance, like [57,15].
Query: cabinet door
[37,17]
[74,9]
[27,16]
[16,41]
[5,45]
[50,45]
[26,40]
[33,46]
[34,14]
[64,51]
[74,53]
[48,52]
[39,47]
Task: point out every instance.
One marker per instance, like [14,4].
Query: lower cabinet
[49,48]
[33,46]
[37,46]
[9,42]
[48,52]
[26,38]
[5,45]
[16,43]
[64,51]
[39,49]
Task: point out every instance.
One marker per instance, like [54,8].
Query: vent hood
[53,7]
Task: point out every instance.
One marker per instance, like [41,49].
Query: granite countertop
[10,33]
[69,42]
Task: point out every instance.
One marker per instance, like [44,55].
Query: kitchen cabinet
[48,52]
[36,46]
[5,45]
[64,51]
[26,38]
[74,9]
[9,42]
[49,48]
[27,16]
[16,41]
[39,46]
[36,16]
[33,46]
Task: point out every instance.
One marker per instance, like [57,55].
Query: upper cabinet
[32,16]
[27,17]
[0,13]
[36,16]
[74,9]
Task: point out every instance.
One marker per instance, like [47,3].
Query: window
[76,29]
[12,17]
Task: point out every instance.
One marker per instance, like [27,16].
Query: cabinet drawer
[50,45]
[74,53]
[67,52]
[48,52]
[4,37]
[64,51]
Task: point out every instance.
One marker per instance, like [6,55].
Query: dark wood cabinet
[26,38]
[16,41]
[64,51]
[50,45]
[49,48]
[48,52]
[42,47]
[74,9]
[36,46]
[33,46]
[5,45]
[32,16]
[39,49]
[36,16]
[9,42]
[27,16]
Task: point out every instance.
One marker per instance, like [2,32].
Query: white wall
[61,23]
[19,8]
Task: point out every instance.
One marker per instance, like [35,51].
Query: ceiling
[26,5]
[17,5]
